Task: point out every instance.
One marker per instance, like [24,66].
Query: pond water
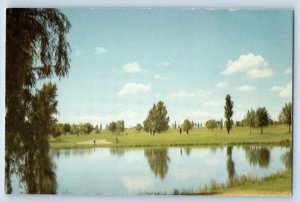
[126,171]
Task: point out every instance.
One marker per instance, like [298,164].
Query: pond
[126,171]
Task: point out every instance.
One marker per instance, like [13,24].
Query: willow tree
[36,51]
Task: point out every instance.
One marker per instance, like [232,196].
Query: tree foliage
[228,112]
[157,119]
[187,125]
[211,124]
[138,127]
[262,118]
[36,50]
[286,114]
[250,119]
[112,127]
[117,127]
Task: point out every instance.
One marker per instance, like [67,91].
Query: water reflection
[187,150]
[197,166]
[158,161]
[35,171]
[258,156]
[287,159]
[230,163]
[117,151]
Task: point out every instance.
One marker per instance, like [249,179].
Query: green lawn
[278,184]
[197,136]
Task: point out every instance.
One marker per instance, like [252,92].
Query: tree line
[75,129]
[157,121]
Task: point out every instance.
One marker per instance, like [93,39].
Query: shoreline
[86,146]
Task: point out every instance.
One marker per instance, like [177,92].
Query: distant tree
[97,130]
[67,128]
[228,112]
[87,128]
[286,115]
[157,119]
[112,127]
[138,127]
[238,124]
[262,118]
[221,124]
[150,122]
[211,124]
[244,122]
[187,125]
[120,126]
[162,117]
[100,128]
[75,129]
[250,118]
[58,129]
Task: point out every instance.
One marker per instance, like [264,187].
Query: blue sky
[124,60]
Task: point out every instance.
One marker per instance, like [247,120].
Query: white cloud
[132,67]
[255,66]
[260,73]
[203,93]
[210,104]
[284,91]
[163,64]
[134,88]
[183,93]
[245,88]
[222,85]
[100,50]
[158,77]
[288,71]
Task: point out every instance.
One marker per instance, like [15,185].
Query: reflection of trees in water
[187,150]
[158,160]
[35,170]
[230,163]
[258,156]
[117,151]
[287,159]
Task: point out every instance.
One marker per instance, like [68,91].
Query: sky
[125,60]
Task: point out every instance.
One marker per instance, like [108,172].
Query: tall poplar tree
[228,112]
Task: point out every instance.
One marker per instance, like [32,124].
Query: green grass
[276,184]
[197,136]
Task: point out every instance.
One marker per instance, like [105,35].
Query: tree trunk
[250,130]
[261,130]
[289,128]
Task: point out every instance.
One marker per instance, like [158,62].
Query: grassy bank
[278,184]
[197,136]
